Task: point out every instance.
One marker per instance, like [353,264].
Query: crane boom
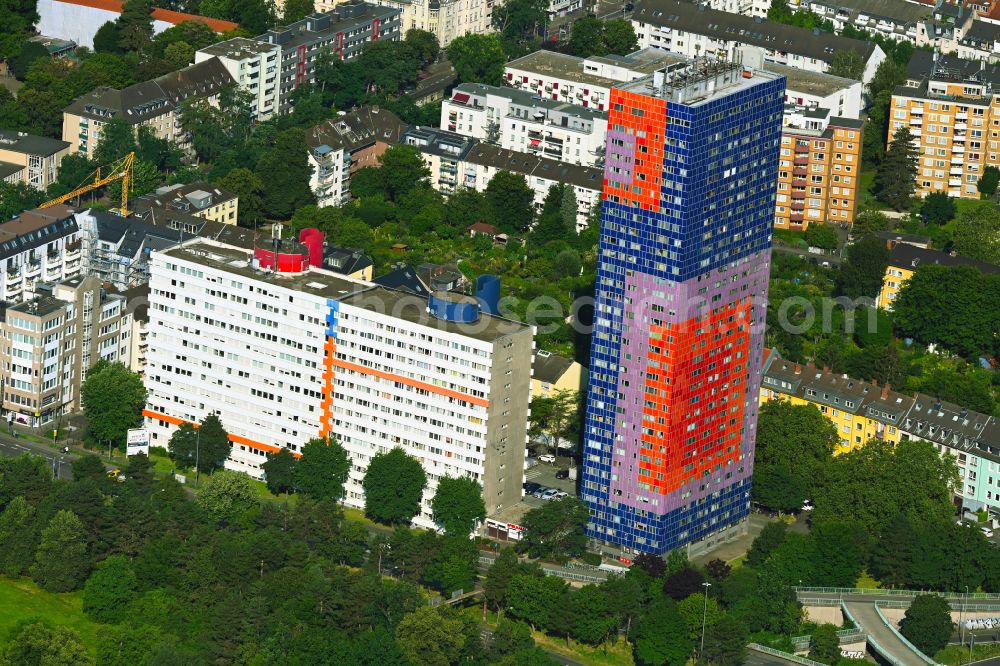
[120,170]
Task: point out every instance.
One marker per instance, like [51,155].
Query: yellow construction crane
[120,170]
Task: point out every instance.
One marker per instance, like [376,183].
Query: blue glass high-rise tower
[689,193]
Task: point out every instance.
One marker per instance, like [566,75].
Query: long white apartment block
[283,357]
[583,81]
[525,122]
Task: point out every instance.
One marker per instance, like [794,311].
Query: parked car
[987,531]
[562,474]
[541,491]
[547,458]
[531,487]
[807,506]
[559,494]
[550,493]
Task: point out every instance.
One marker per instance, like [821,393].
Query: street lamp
[704,616]
[197,459]
[961,612]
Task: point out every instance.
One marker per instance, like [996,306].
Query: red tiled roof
[165,15]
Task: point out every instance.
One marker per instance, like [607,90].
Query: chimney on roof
[874,382]
[798,369]
[826,368]
[885,391]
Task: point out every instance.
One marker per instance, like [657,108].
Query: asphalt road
[12,447]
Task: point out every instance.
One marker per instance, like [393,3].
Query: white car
[807,506]
[551,493]
[987,531]
[547,458]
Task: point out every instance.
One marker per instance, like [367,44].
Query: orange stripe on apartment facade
[235,439]
[364,370]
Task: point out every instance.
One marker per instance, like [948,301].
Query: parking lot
[545,474]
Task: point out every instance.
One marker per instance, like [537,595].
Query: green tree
[927,623]
[520,20]
[619,37]
[769,539]
[280,472]
[871,485]
[18,197]
[61,561]
[112,398]
[593,617]
[661,637]
[37,643]
[424,43]
[895,180]
[30,52]
[822,236]
[25,476]
[937,208]
[500,575]
[870,221]
[296,10]
[587,37]
[18,538]
[227,495]
[512,201]
[847,63]
[458,505]
[431,636]
[538,600]
[794,444]
[323,469]
[683,583]
[183,447]
[556,528]
[214,443]
[109,590]
[179,55]
[842,548]
[891,557]
[403,169]
[953,306]
[551,226]
[248,186]
[725,643]
[135,25]
[863,271]
[394,484]
[108,38]
[977,234]
[285,172]
[478,58]
[694,608]
[987,183]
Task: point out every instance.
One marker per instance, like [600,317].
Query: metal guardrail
[901,637]
[844,636]
[568,575]
[757,647]
[896,593]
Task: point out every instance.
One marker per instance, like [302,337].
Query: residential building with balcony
[293,352]
[254,66]
[200,198]
[980,42]
[699,31]
[860,410]
[339,146]
[582,81]
[522,121]
[445,19]
[756,8]
[863,411]
[39,245]
[342,33]
[953,120]
[819,169]
[29,159]
[906,259]
[47,345]
[892,19]
[137,319]
[842,97]
[458,161]
[155,104]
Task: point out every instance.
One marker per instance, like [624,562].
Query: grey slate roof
[910,256]
[723,26]
[30,144]
[357,129]
[149,99]
[36,228]
[404,279]
[549,367]
[950,68]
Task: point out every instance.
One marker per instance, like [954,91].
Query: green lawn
[866,199]
[23,600]
[953,655]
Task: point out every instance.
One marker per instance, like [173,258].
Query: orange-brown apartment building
[819,168]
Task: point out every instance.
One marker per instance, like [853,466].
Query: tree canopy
[895,180]
[323,469]
[927,623]
[112,399]
[458,505]
[394,484]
